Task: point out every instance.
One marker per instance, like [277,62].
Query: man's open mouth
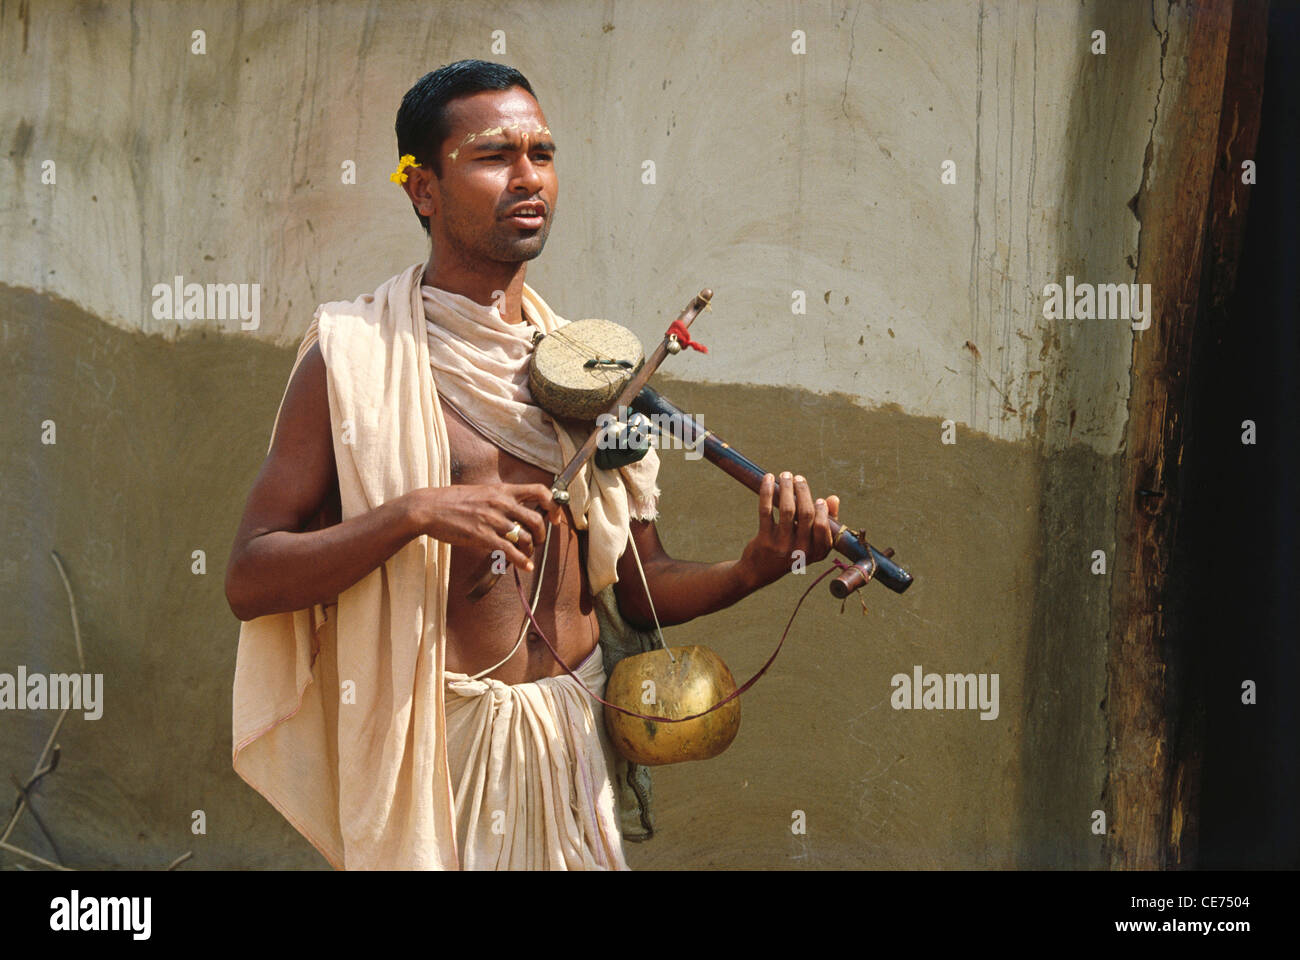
[530,216]
[529,222]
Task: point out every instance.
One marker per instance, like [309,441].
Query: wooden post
[1192,208]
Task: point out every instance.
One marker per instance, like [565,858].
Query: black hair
[422,118]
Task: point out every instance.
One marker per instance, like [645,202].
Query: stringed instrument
[574,374]
[592,367]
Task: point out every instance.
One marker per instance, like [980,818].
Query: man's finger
[539,494]
[503,523]
[532,521]
[765,490]
[786,526]
[803,506]
[513,554]
[833,506]
[517,557]
[821,530]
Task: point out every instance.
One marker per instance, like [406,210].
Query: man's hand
[684,590]
[480,515]
[802,524]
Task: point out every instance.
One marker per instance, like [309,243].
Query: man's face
[498,156]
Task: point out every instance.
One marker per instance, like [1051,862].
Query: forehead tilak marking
[491,131]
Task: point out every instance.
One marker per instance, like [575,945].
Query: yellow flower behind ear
[407,161]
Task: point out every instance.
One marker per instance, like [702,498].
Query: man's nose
[528,175]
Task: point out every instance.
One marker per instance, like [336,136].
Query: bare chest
[474,459]
[483,632]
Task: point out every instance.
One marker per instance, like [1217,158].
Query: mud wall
[781,179]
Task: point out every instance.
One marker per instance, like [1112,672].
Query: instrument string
[583,351]
[523,631]
[641,570]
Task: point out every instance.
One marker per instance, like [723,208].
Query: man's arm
[275,566]
[684,590]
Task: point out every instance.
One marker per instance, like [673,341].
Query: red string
[838,564]
[678,329]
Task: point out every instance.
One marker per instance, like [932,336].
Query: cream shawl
[481,364]
[339,714]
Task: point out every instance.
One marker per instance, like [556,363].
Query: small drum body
[653,684]
[579,370]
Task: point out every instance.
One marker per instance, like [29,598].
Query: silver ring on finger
[513,533]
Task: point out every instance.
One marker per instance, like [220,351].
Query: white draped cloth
[532,772]
[345,717]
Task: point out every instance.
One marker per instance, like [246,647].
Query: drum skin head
[564,380]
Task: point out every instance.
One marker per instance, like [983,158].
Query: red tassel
[683,337]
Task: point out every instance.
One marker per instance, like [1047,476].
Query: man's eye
[545,157]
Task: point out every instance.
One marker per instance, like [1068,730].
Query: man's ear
[421,188]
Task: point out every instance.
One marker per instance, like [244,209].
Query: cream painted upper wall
[775,172]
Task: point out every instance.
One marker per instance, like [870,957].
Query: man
[404,460]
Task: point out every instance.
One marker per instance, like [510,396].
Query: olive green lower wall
[158,443]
